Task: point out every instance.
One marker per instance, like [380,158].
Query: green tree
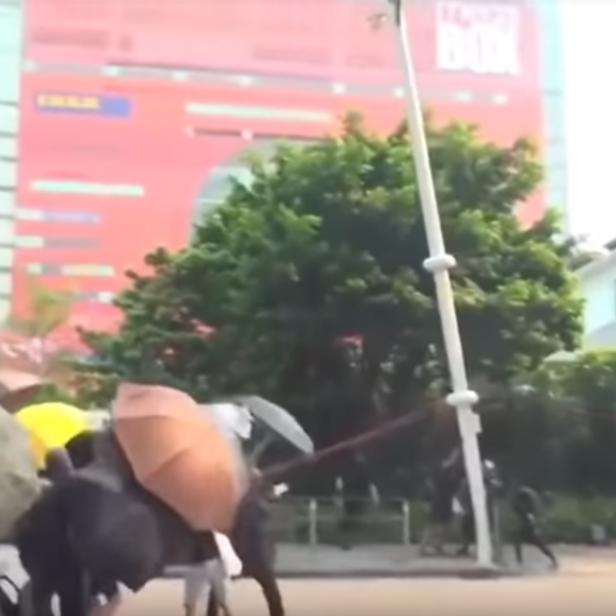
[47,310]
[559,429]
[312,280]
[589,387]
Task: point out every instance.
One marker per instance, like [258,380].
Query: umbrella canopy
[14,380]
[18,388]
[232,419]
[112,530]
[279,420]
[19,483]
[234,423]
[51,425]
[179,454]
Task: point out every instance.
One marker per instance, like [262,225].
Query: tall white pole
[439,264]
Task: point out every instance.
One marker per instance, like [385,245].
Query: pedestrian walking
[494,487]
[467,518]
[354,499]
[526,507]
[440,492]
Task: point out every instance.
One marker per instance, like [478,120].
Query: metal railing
[398,521]
[315,521]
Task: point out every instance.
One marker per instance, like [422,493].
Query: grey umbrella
[19,482]
[279,420]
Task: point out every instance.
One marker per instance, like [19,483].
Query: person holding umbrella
[179,454]
[58,464]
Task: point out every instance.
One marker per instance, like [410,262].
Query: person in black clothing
[9,599]
[58,464]
[356,489]
[526,507]
[81,449]
[467,525]
[493,486]
[440,494]
[61,463]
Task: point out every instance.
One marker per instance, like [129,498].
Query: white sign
[478,37]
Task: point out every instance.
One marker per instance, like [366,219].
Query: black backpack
[9,597]
[526,501]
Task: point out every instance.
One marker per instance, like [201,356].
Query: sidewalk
[366,561]
[383,561]
[392,561]
[395,561]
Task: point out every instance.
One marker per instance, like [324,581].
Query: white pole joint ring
[439,263]
[463,399]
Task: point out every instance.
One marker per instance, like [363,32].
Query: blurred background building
[121,120]
[598,285]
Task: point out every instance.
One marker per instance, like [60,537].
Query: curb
[483,573]
[468,573]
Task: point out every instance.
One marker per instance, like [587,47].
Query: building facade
[10,81]
[598,287]
[132,115]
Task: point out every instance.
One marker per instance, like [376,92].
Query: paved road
[584,586]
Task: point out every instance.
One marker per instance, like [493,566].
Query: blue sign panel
[88,104]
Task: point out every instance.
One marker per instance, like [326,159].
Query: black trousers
[528,533]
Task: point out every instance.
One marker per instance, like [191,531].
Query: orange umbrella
[179,455]
[18,388]
[16,380]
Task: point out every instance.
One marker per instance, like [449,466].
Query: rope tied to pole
[353,442]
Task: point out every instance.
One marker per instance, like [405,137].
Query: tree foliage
[588,385]
[559,429]
[47,310]
[312,280]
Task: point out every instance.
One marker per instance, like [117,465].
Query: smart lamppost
[439,263]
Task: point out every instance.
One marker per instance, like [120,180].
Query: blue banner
[84,104]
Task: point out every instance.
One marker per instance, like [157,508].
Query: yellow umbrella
[51,424]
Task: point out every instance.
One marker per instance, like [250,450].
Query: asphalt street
[584,586]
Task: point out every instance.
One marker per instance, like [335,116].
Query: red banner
[105,156]
[491,44]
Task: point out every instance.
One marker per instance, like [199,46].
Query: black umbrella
[121,530]
[110,531]
[116,530]
[101,521]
